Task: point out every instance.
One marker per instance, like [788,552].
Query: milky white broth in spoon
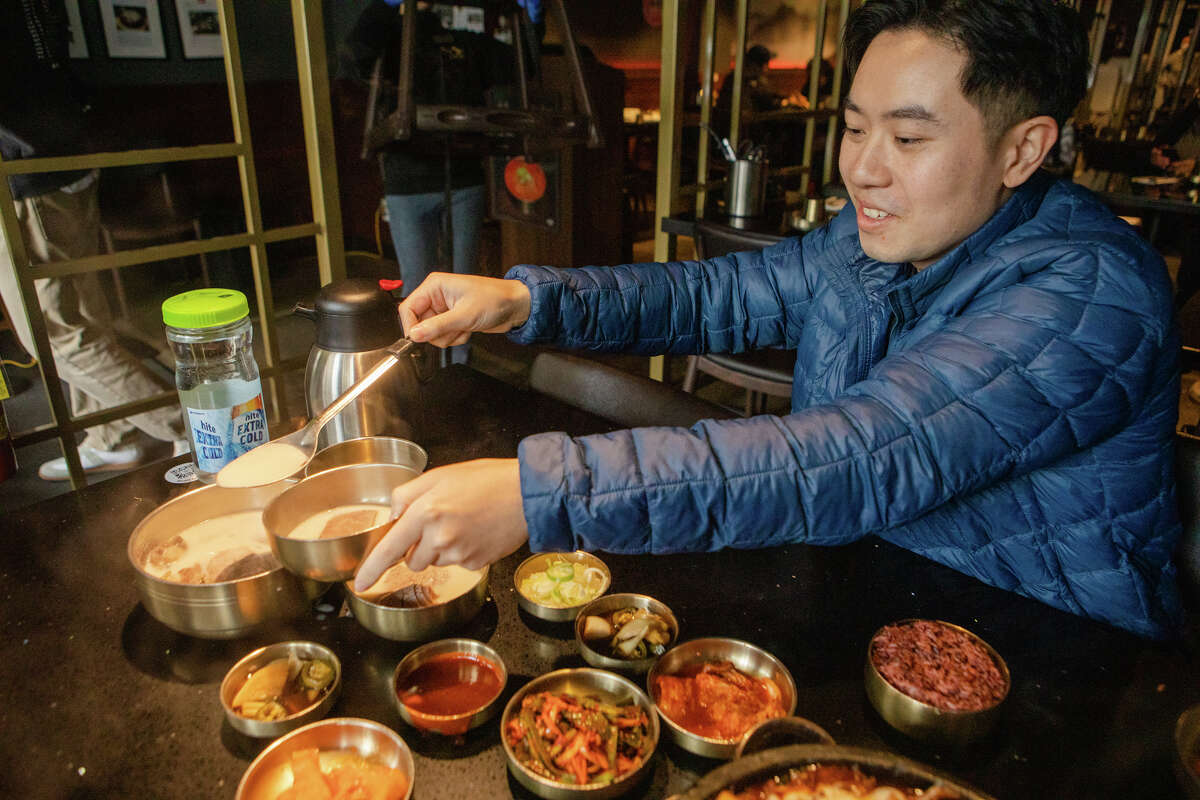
[265,464]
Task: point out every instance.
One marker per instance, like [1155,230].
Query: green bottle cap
[205,308]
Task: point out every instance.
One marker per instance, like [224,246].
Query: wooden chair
[616,395]
[761,373]
[140,208]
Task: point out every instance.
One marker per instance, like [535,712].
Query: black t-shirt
[450,68]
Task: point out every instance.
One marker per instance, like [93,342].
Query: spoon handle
[395,351]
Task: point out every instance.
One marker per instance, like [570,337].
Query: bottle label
[223,434]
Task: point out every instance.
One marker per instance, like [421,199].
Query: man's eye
[853,131]
[907,140]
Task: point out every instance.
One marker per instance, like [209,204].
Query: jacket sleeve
[1020,380]
[731,303]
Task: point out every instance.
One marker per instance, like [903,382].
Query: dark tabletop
[98,699]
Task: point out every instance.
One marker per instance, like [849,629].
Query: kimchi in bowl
[711,692]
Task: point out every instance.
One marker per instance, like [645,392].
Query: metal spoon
[276,460]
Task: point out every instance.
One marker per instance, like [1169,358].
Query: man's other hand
[447,308]
[468,513]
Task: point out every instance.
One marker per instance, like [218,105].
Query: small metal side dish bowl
[607,686]
[270,729]
[925,722]
[418,624]
[1187,752]
[781,732]
[448,724]
[270,773]
[537,563]
[751,660]
[334,559]
[224,610]
[370,450]
[615,602]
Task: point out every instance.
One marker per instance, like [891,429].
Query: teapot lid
[355,315]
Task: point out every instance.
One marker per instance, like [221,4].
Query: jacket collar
[916,294]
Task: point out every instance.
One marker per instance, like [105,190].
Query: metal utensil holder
[746,189]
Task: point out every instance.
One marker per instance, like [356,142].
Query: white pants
[65,224]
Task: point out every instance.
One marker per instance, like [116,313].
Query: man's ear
[1025,146]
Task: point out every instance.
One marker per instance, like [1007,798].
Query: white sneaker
[93,461]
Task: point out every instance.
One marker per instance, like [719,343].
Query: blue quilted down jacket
[1009,411]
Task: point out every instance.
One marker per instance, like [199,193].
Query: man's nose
[868,162]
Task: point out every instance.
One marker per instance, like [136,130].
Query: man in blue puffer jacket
[986,367]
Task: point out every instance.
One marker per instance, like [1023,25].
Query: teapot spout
[308,312]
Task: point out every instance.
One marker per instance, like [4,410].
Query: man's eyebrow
[916,113]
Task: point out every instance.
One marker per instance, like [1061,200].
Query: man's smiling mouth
[875,213]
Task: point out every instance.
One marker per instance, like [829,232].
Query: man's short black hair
[1025,58]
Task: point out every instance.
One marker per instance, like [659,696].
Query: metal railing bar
[163,252]
[121,158]
[48,431]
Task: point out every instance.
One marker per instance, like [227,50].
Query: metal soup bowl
[419,624]
[270,729]
[537,563]
[335,559]
[615,602]
[926,722]
[224,610]
[370,450]
[751,660]
[609,687]
[449,724]
[765,766]
[270,773]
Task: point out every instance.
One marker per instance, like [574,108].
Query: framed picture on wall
[132,28]
[76,43]
[199,28]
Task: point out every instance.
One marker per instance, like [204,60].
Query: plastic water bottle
[219,388]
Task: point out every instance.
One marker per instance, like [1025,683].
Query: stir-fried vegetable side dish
[283,687]
[578,740]
[563,584]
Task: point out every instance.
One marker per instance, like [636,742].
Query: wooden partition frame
[326,227]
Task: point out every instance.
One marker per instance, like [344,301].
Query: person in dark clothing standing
[41,114]
[451,67]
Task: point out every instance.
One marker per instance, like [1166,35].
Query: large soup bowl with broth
[203,566]
[323,527]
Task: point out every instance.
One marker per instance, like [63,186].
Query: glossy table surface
[98,699]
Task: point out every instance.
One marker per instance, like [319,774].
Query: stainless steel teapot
[356,320]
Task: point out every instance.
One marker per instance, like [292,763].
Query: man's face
[916,156]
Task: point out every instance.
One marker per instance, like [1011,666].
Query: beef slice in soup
[244,567]
[349,523]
